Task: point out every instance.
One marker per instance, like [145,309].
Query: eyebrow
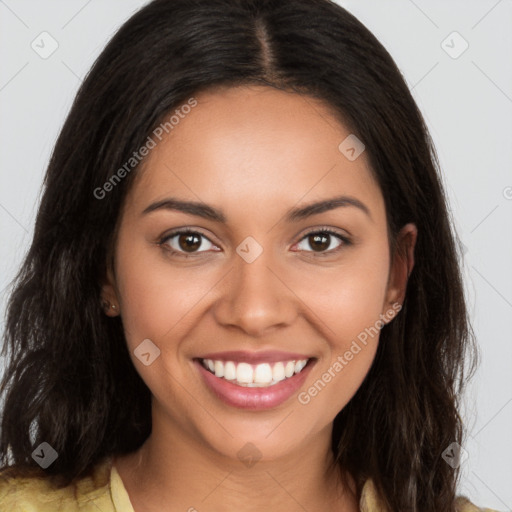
[292,215]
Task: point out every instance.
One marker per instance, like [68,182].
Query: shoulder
[37,493]
[370,501]
[462,504]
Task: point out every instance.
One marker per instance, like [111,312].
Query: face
[224,302]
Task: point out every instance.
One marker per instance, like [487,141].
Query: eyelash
[324,230]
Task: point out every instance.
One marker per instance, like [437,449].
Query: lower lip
[254,398]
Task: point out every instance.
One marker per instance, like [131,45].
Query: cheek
[349,298]
[157,298]
[157,303]
[349,304]
[336,382]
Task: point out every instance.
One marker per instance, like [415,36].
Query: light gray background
[467,102]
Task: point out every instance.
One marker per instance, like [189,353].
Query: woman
[243,289]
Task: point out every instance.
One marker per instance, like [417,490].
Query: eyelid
[180,231]
[325,229]
[344,238]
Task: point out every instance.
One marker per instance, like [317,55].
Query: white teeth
[263,374]
[289,369]
[219,369]
[230,371]
[244,373]
[278,372]
[299,365]
[260,375]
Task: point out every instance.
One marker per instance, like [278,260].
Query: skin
[254,152]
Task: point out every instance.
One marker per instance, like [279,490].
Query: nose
[255,297]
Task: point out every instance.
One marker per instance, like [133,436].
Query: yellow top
[104,491]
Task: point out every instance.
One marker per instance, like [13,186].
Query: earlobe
[401,267]
[109,308]
[109,301]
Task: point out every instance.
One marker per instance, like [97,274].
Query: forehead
[254,146]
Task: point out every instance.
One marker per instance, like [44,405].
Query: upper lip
[268,356]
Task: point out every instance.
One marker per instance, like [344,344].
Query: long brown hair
[69,379]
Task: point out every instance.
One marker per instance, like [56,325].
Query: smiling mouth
[254,375]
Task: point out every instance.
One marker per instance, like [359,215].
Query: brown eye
[189,242]
[321,242]
[186,242]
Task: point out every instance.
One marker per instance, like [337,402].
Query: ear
[109,297]
[401,267]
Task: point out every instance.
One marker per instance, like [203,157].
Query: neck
[175,471]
